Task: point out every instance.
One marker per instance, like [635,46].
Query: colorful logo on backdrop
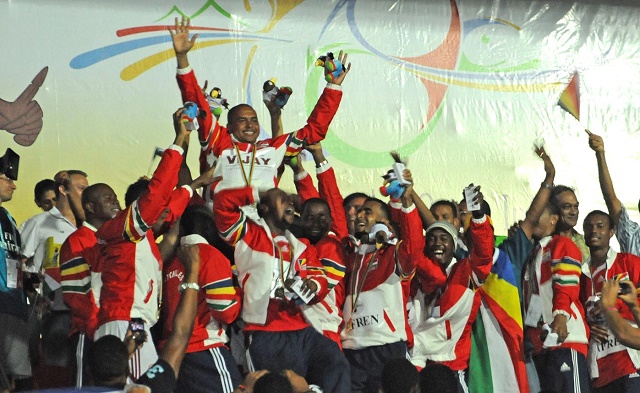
[447,65]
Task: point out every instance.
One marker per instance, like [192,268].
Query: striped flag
[570,97]
[497,352]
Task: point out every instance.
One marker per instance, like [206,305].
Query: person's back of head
[273,383]
[399,376]
[108,361]
[437,378]
[135,190]
[198,220]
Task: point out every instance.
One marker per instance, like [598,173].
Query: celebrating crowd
[226,283]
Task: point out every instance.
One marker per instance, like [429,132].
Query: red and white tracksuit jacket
[80,278]
[444,335]
[259,267]
[374,307]
[131,262]
[219,302]
[554,276]
[326,316]
[610,360]
[219,147]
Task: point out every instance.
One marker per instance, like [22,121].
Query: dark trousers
[211,370]
[627,384]
[562,370]
[306,352]
[366,364]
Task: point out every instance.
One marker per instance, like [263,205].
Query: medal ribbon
[247,180]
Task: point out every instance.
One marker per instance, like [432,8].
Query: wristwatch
[188,285]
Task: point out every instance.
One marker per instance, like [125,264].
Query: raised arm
[176,345]
[329,191]
[134,222]
[426,216]
[606,185]
[482,240]
[541,198]
[411,247]
[208,128]
[318,122]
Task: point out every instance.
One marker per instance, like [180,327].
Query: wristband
[242,388]
[612,309]
[322,163]
[547,186]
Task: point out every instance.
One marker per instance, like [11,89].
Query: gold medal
[350,325]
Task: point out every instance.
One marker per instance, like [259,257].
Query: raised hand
[180,36]
[596,143]
[548,164]
[342,57]
[23,117]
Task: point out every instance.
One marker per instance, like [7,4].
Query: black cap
[9,164]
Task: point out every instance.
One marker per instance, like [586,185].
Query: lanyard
[356,289]
[247,180]
[280,291]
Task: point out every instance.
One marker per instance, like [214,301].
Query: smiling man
[80,270]
[378,272]
[566,201]
[269,259]
[613,366]
[452,303]
[235,151]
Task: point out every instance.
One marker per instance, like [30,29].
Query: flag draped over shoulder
[570,97]
[497,352]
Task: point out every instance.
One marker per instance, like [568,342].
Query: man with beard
[613,366]
[80,270]
[271,263]
[377,272]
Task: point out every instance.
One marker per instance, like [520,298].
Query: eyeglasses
[10,181]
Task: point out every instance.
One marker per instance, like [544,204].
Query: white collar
[193,239]
[86,224]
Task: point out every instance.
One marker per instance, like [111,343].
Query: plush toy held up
[394,183]
[216,102]
[332,66]
[278,95]
[190,115]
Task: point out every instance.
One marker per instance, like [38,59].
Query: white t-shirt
[42,235]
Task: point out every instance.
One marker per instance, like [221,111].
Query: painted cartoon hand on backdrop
[23,117]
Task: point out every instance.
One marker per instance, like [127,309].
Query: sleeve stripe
[68,271]
[333,266]
[220,291]
[135,227]
[80,289]
[221,306]
[71,263]
[224,283]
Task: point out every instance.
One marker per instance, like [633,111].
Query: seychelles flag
[497,352]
